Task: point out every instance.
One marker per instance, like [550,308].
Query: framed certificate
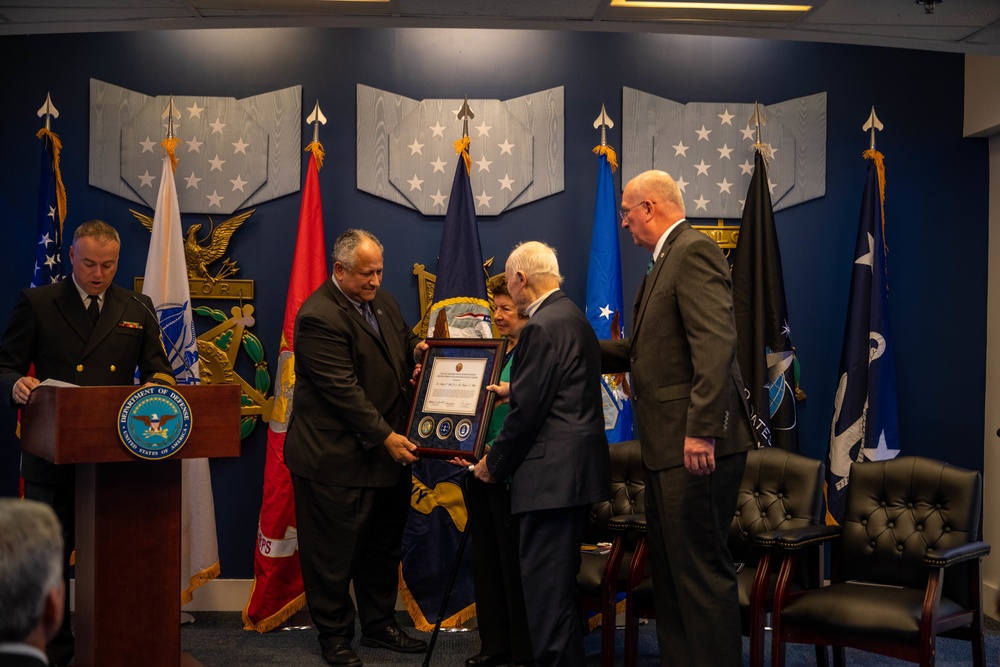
[451,407]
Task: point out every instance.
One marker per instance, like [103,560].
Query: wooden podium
[128,516]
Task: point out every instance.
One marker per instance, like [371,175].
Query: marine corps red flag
[277,589]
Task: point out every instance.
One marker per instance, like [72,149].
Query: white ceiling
[968,26]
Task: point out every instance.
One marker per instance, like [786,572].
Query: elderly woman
[503,628]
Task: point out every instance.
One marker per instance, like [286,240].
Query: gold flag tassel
[316,149]
[462,148]
[879,160]
[608,152]
[49,135]
[170,146]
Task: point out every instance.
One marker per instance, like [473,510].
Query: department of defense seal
[154,422]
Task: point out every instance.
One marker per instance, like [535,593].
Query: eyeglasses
[623,212]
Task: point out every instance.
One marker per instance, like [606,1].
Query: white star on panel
[771,186]
[438,130]
[147,179]
[439,165]
[439,198]
[703,133]
[748,132]
[680,149]
[147,145]
[484,199]
[726,117]
[217,126]
[725,151]
[415,183]
[682,184]
[746,167]
[606,312]
[214,199]
[484,129]
[216,164]
[195,110]
[724,186]
[505,148]
[703,168]
[238,183]
[240,147]
[774,151]
[702,203]
[483,164]
[194,145]
[506,182]
[192,181]
[415,148]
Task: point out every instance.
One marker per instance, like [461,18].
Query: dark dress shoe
[394,639]
[484,660]
[341,654]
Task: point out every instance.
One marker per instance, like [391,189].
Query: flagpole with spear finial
[872,124]
[170,143]
[49,111]
[759,145]
[465,114]
[604,123]
[315,147]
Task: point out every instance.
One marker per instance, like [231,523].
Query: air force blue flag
[604,300]
[48,252]
[865,426]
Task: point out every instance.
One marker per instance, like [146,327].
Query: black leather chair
[602,575]
[780,491]
[907,522]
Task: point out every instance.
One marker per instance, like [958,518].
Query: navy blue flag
[764,339]
[604,300]
[865,425]
[48,251]
[438,514]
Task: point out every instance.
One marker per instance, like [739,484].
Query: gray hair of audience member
[101,231]
[535,258]
[31,562]
[347,244]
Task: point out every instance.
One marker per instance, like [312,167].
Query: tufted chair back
[900,509]
[780,490]
[627,491]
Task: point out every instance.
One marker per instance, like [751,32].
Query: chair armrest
[956,554]
[628,522]
[797,538]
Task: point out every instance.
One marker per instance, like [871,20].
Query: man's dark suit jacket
[49,328]
[552,440]
[352,393]
[686,381]
[20,660]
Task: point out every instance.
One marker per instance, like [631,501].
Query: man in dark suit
[85,331]
[349,461]
[693,428]
[553,447]
[31,586]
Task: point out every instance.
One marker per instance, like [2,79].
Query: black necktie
[94,309]
[366,310]
[649,267]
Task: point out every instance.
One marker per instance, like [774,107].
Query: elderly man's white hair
[534,258]
[31,558]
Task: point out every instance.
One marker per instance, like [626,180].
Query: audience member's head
[31,584]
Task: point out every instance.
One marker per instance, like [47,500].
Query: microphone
[163,336]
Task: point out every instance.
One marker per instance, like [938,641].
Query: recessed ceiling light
[726,6]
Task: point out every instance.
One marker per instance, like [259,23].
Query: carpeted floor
[217,639]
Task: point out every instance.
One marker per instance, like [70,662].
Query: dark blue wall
[936,194]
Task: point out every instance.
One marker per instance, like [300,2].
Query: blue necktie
[366,310]
[649,267]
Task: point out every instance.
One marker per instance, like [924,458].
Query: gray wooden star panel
[232,153]
[706,147]
[406,149]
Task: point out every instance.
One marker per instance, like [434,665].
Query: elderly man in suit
[349,461]
[693,427]
[31,586]
[552,446]
[85,331]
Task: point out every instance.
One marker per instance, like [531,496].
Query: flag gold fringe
[597,619]
[462,148]
[608,152]
[170,146]
[419,621]
[49,135]
[316,149]
[275,619]
[198,581]
[879,160]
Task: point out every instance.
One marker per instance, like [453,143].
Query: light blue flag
[604,300]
